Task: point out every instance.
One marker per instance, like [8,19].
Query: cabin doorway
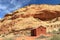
[33,32]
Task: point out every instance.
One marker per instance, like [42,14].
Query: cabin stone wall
[39,31]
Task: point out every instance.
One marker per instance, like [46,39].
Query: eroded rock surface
[32,16]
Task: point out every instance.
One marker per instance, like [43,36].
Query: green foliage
[59,30]
[56,37]
[54,32]
[40,37]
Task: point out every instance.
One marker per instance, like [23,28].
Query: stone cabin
[38,31]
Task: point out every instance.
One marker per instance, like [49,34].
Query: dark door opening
[33,32]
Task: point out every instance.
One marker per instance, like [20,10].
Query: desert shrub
[40,37]
[59,30]
[55,37]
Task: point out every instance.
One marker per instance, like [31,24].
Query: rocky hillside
[29,17]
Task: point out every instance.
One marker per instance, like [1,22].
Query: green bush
[56,37]
[54,32]
[59,30]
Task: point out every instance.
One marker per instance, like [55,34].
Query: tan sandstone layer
[29,17]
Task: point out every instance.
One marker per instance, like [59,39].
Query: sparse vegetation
[59,30]
[40,37]
[55,37]
[54,32]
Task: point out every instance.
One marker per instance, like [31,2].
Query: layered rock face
[30,17]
